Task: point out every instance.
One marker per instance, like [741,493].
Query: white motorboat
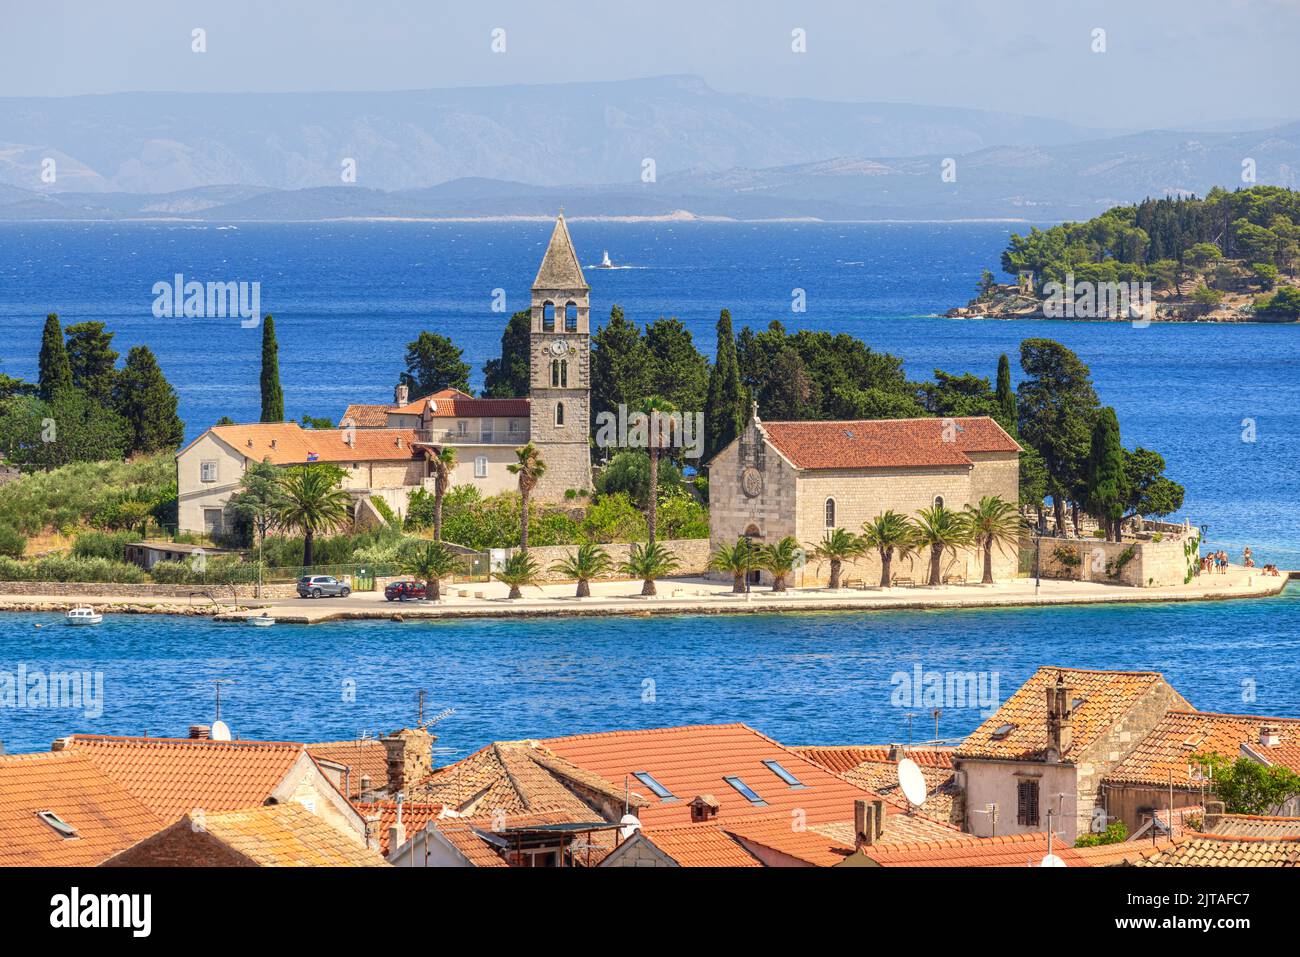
[261,621]
[83,616]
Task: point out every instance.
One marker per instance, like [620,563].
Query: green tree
[529,470]
[994,523]
[954,396]
[69,428]
[1105,494]
[430,564]
[738,559]
[1147,491]
[258,500]
[941,529]
[311,502]
[55,372]
[588,562]
[92,360]
[272,394]
[891,535]
[656,409]
[725,412]
[679,374]
[649,563]
[838,545]
[781,558]
[508,376]
[1248,787]
[1057,405]
[620,365]
[146,400]
[518,570]
[433,363]
[1006,397]
[442,462]
[629,471]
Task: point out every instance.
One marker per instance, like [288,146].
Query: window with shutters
[1027,803]
[480,466]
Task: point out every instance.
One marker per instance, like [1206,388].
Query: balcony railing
[471,437]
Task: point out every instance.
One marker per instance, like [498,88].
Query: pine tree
[272,394]
[507,377]
[148,403]
[725,406]
[55,373]
[92,360]
[433,363]
[1006,398]
[620,365]
[1105,475]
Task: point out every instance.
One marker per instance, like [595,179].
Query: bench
[904,580]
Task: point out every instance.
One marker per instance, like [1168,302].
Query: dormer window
[1001,732]
[745,791]
[657,789]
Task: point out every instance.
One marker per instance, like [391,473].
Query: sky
[1191,64]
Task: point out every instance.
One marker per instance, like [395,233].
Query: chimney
[397,833]
[896,753]
[200,732]
[365,784]
[879,806]
[273,443]
[1060,726]
[399,441]
[410,752]
[865,830]
[1213,814]
[704,807]
[402,394]
[372,831]
[1269,736]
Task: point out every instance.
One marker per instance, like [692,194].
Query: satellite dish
[912,782]
[629,824]
[1051,860]
[219,731]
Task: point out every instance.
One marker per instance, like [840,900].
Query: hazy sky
[1167,62]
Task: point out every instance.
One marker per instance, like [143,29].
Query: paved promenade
[677,596]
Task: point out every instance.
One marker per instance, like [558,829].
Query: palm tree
[441,461]
[993,522]
[781,559]
[588,562]
[838,546]
[530,468]
[737,559]
[312,502]
[518,570]
[941,530]
[655,409]
[430,564]
[890,534]
[648,562]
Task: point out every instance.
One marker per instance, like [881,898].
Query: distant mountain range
[525,150]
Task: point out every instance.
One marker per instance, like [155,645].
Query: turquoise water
[817,678]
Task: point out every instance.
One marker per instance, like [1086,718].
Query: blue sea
[348,297]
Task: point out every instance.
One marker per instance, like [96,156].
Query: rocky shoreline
[1008,302]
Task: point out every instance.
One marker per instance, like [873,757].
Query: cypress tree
[1105,477]
[272,394]
[725,406]
[148,403]
[55,372]
[1006,399]
[93,360]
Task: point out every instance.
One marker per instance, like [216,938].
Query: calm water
[800,678]
[348,297]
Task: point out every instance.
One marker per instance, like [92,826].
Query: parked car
[322,586]
[404,591]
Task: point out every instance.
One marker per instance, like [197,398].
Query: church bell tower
[560,368]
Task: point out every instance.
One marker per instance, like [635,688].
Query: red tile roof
[701,845]
[1103,698]
[693,760]
[295,445]
[367,416]
[886,443]
[106,818]
[361,758]
[1255,825]
[449,403]
[174,776]
[1180,735]
[415,817]
[1010,850]
[845,757]
[1212,850]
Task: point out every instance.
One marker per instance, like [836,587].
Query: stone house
[1052,744]
[806,478]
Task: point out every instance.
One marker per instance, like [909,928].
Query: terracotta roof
[1180,735]
[1255,825]
[885,443]
[70,786]
[776,832]
[450,403]
[366,757]
[1208,850]
[1103,698]
[472,847]
[174,776]
[941,787]
[415,817]
[367,416]
[1010,850]
[694,760]
[295,445]
[900,828]
[845,757]
[282,835]
[701,845]
[1285,754]
[560,268]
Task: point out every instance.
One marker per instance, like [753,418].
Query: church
[384,450]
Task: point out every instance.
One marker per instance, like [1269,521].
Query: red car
[402,591]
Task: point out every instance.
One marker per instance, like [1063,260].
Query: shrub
[12,542]
[110,545]
[681,516]
[613,518]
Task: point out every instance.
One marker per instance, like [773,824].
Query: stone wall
[1140,564]
[692,555]
[150,590]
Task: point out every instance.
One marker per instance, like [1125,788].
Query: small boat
[261,621]
[83,616]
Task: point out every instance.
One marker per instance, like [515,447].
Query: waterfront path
[677,596]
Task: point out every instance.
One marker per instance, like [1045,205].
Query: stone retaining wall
[1150,564]
[148,590]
